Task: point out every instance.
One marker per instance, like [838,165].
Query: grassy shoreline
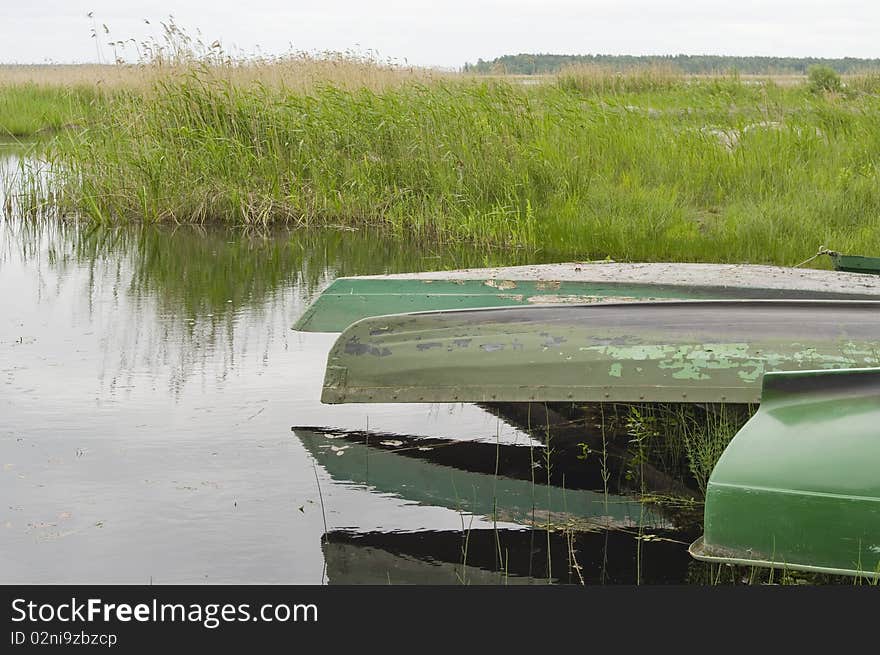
[31,111]
[643,166]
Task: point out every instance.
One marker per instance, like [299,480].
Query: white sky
[454,31]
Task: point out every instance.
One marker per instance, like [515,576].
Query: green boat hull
[347,300]
[692,351]
[798,487]
[855,263]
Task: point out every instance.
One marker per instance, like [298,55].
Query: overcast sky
[451,32]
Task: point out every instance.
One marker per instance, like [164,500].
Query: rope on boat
[822,251]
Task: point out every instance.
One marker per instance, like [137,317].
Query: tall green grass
[684,440]
[657,168]
[30,110]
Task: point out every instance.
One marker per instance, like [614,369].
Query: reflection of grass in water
[192,270]
[191,291]
[198,269]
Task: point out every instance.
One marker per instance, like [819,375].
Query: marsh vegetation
[644,165]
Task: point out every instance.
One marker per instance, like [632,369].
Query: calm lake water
[149,384]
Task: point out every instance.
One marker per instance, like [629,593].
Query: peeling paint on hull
[697,351]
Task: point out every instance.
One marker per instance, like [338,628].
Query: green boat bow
[798,486]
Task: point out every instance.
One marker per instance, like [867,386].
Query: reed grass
[595,79]
[29,110]
[684,440]
[645,165]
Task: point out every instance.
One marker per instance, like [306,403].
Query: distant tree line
[536,64]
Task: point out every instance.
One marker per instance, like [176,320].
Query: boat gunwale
[344,300]
[855,303]
[698,548]
[670,274]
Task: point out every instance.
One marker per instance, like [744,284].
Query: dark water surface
[149,381]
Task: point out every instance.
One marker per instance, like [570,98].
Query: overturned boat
[854,263]
[798,486]
[350,299]
[679,351]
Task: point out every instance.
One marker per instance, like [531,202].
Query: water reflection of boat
[505,557]
[404,467]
